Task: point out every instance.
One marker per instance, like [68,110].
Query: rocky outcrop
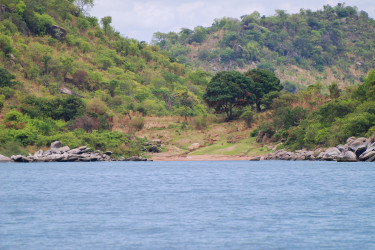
[355,149]
[58,153]
[5,159]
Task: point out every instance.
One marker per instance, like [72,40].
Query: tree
[264,82]
[334,90]
[229,89]
[6,78]
[187,100]
[84,5]
[106,21]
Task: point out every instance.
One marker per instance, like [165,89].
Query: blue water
[187,205]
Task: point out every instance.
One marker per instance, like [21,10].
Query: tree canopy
[265,82]
[229,89]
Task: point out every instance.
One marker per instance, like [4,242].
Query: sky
[141,19]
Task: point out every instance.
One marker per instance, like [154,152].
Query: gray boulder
[20,158]
[64,149]
[331,154]
[359,146]
[348,156]
[367,155]
[56,144]
[3,158]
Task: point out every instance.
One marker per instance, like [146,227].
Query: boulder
[156,141]
[358,146]
[372,159]
[367,155]
[331,154]
[20,158]
[348,156]
[64,149]
[5,159]
[56,144]
[154,149]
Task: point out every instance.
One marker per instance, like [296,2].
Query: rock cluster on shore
[355,149]
[58,153]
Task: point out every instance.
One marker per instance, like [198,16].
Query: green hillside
[332,44]
[64,74]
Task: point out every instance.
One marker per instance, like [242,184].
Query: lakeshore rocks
[355,149]
[58,153]
[5,159]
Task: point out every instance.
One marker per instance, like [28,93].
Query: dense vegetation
[309,119]
[304,48]
[67,76]
[50,47]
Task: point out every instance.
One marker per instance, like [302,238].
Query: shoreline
[202,158]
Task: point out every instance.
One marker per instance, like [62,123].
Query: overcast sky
[140,19]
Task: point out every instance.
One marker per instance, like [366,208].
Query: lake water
[187,205]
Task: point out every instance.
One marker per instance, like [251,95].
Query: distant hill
[332,44]
[62,70]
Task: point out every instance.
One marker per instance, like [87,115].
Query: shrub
[12,148]
[137,124]
[248,117]
[201,122]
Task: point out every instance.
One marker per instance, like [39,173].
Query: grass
[245,147]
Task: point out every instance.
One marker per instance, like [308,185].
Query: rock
[348,156]
[341,148]
[57,32]
[367,155]
[56,144]
[255,158]
[56,151]
[108,153]
[154,149]
[372,159]
[331,154]
[156,141]
[137,158]
[48,152]
[38,153]
[64,149]
[4,158]
[20,158]
[358,146]
[194,146]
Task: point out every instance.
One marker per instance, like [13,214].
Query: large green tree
[265,82]
[229,89]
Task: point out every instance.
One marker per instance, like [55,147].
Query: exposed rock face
[58,153]
[354,150]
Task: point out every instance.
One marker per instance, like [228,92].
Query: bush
[12,148]
[201,122]
[137,124]
[248,117]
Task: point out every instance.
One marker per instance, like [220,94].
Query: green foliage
[57,108]
[12,148]
[248,117]
[229,89]
[264,82]
[6,79]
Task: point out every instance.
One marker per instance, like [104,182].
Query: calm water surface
[187,205]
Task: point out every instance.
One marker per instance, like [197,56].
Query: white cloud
[140,19]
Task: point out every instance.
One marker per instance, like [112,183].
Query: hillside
[65,75]
[332,44]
